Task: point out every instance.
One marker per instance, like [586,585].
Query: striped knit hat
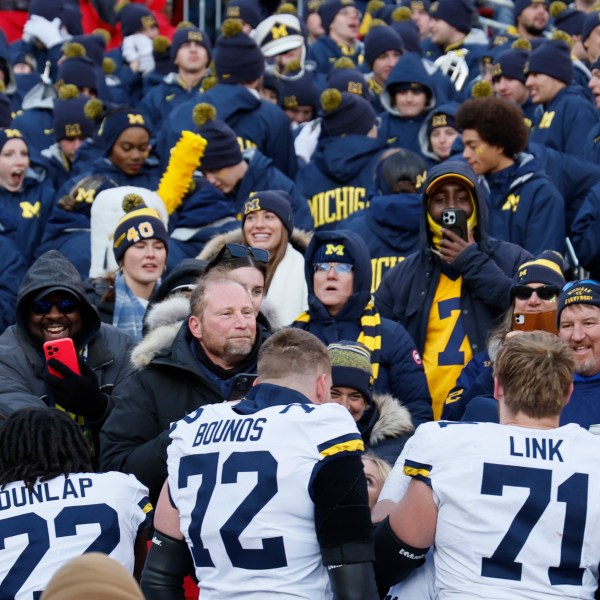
[351,367]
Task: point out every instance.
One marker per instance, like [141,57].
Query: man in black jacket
[198,367]
[51,305]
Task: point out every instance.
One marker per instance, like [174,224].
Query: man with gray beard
[218,341]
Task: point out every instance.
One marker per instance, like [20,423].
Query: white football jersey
[242,485]
[63,518]
[518,508]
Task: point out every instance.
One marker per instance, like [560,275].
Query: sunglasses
[571,284]
[524,292]
[338,268]
[240,251]
[43,307]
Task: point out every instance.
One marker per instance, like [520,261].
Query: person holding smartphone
[51,307]
[450,292]
[534,300]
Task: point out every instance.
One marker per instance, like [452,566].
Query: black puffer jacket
[169,385]
[22,362]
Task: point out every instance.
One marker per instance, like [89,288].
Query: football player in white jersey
[269,494]
[512,507]
[54,508]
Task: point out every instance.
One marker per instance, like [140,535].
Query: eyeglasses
[571,284]
[545,292]
[338,268]
[65,306]
[239,251]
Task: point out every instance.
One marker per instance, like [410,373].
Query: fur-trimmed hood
[299,241]
[393,420]
[164,321]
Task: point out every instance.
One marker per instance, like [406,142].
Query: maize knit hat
[567,19]
[441,119]
[346,114]
[546,268]
[584,291]
[139,223]
[329,9]
[116,120]
[511,64]
[237,57]
[79,71]
[380,40]
[135,17]
[94,44]
[300,92]
[552,58]
[189,34]
[458,13]
[417,5]
[332,253]
[222,148]
[7,134]
[246,10]
[351,367]
[521,5]
[278,202]
[591,21]
[349,80]
[69,120]
[409,31]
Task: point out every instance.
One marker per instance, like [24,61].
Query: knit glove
[47,32]
[79,394]
[138,50]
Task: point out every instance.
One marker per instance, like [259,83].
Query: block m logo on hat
[334,250]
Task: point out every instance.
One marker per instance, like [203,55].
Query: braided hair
[41,442]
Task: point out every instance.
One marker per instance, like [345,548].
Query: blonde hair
[383,466]
[292,353]
[536,371]
[275,257]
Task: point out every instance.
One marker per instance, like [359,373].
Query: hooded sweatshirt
[486,267]
[396,129]
[337,180]
[565,122]
[400,369]
[106,349]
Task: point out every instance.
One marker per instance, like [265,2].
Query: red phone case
[62,350]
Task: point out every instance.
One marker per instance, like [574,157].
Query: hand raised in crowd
[452,246]
[78,393]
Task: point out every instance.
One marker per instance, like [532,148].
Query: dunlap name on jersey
[20,496]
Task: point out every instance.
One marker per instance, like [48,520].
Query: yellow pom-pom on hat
[68,91]
[482,89]
[203,113]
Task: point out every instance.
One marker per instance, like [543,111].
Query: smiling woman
[123,139]
[140,246]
